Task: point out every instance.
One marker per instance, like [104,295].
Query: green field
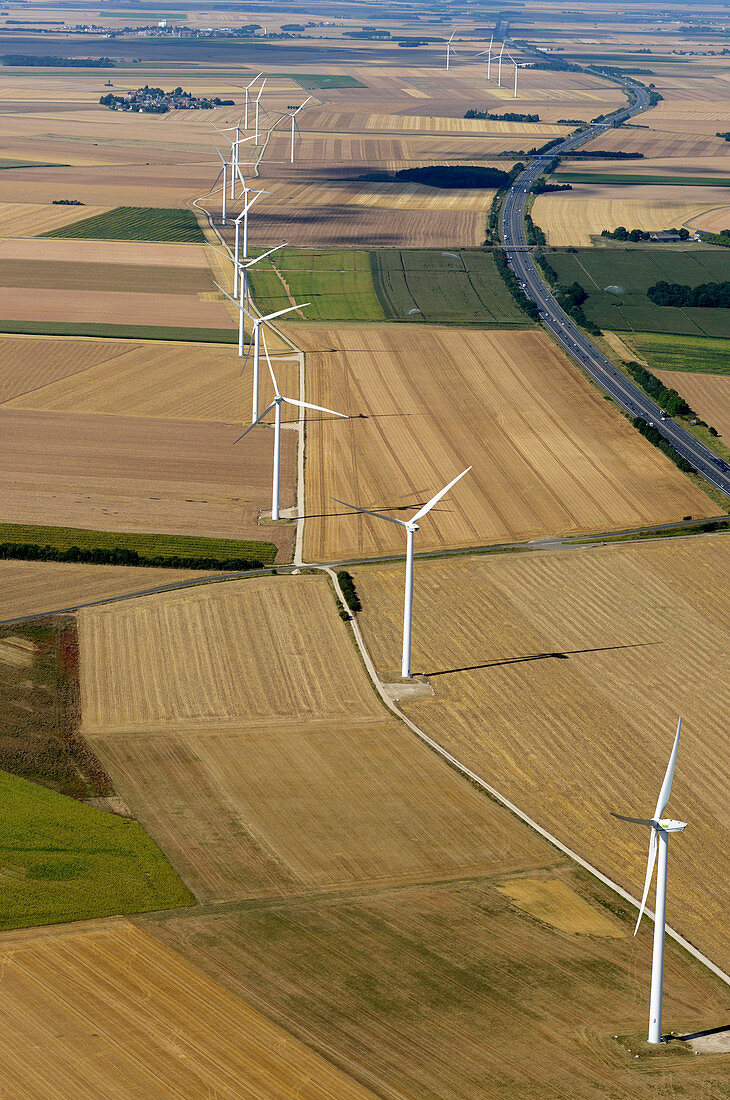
[322,80]
[5,163]
[632,272]
[619,178]
[683,353]
[61,860]
[150,546]
[121,332]
[337,284]
[435,286]
[444,287]
[135,223]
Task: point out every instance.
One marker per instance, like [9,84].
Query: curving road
[573,339]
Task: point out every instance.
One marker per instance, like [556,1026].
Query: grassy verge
[135,223]
[148,546]
[61,861]
[682,353]
[121,332]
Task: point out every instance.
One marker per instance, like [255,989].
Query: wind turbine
[276,404]
[295,124]
[247,204]
[489,59]
[411,526]
[509,55]
[223,172]
[449,48]
[258,100]
[245,124]
[235,142]
[499,74]
[254,342]
[660,830]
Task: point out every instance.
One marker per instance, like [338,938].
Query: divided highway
[573,339]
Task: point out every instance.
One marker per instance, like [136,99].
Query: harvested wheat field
[707,394]
[345,225]
[122,473]
[576,217]
[103,1009]
[449,990]
[39,587]
[559,677]
[194,700]
[158,380]
[548,455]
[712,221]
[395,196]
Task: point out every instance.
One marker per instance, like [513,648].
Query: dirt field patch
[559,678]
[555,903]
[26,219]
[107,1010]
[27,365]
[121,473]
[438,400]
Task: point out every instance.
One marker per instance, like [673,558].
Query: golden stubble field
[576,217]
[388,915]
[708,395]
[548,455]
[238,723]
[102,1009]
[559,677]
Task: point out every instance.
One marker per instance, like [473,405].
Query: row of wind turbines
[491,55]
[660,827]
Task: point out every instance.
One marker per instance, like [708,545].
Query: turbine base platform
[406,690]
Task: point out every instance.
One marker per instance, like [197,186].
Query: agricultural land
[241,854]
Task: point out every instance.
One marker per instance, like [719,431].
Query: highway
[574,340]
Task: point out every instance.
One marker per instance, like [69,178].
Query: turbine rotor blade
[228,296]
[268,360]
[264,255]
[255,423]
[667,784]
[437,498]
[649,872]
[317,408]
[367,512]
[281,312]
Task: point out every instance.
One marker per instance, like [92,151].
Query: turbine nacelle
[667,825]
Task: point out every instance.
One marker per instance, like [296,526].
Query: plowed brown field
[347,225]
[27,364]
[122,473]
[643,631]
[106,1011]
[548,455]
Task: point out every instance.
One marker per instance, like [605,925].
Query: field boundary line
[453,762]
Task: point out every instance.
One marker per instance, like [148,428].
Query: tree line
[704,296]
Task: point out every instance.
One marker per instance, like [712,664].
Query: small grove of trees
[51,61]
[721,238]
[533,233]
[621,233]
[120,555]
[667,399]
[654,436]
[725,136]
[510,279]
[540,186]
[347,586]
[704,296]
[571,299]
[509,116]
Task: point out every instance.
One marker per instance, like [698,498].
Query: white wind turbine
[255,335]
[235,156]
[245,123]
[659,839]
[295,125]
[258,102]
[499,72]
[517,66]
[243,216]
[448,49]
[223,172]
[411,526]
[276,404]
[488,52]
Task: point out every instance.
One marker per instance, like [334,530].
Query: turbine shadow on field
[560,655]
[393,508]
[696,1034]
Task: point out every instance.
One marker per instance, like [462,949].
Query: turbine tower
[223,172]
[411,526]
[489,59]
[659,839]
[295,125]
[245,124]
[499,72]
[235,156]
[258,101]
[247,204]
[276,404]
[448,49]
